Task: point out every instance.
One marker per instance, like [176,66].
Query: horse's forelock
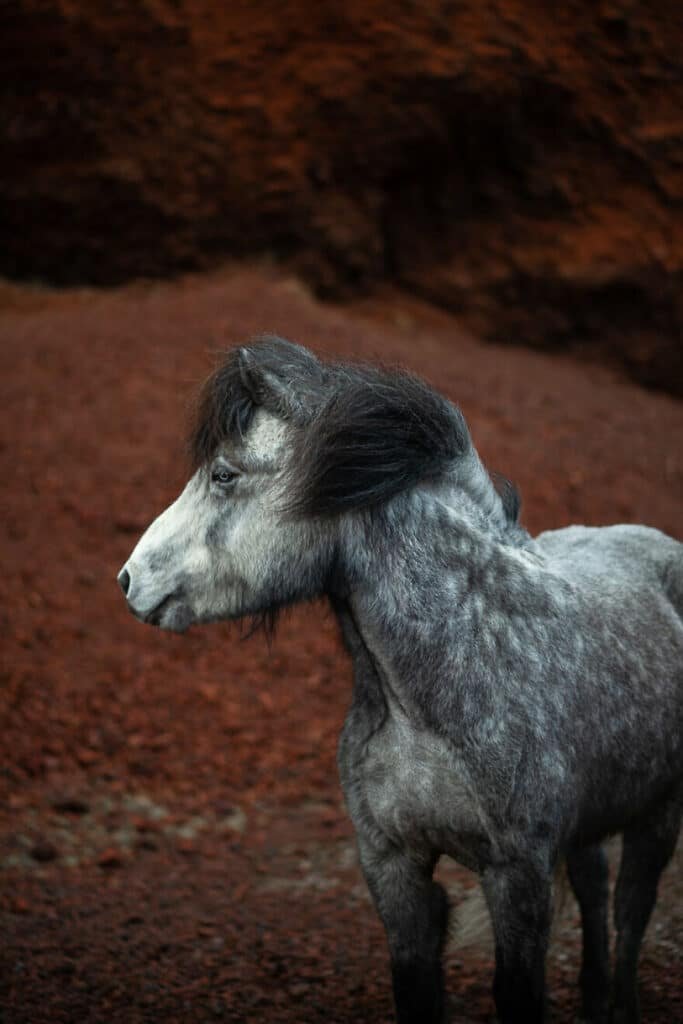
[265,373]
[224,410]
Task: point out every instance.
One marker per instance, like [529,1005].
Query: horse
[516,700]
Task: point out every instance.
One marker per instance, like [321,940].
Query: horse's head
[291,455]
[229,546]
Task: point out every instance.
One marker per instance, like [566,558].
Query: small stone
[299,988]
[70,804]
[110,858]
[44,852]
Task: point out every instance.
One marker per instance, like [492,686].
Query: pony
[515,699]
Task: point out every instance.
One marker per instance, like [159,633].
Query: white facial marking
[267,439]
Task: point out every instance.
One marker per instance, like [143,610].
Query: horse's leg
[414,911]
[648,846]
[587,870]
[519,897]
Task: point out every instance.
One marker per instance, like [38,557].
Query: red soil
[172,835]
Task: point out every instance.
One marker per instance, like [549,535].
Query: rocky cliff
[517,161]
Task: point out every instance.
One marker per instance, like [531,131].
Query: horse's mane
[380,432]
[368,432]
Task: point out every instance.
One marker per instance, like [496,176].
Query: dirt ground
[172,837]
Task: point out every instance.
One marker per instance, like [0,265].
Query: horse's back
[627,583]
[633,556]
[627,588]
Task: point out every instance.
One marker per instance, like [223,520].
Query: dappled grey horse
[515,700]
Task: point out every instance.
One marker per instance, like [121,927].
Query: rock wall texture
[517,161]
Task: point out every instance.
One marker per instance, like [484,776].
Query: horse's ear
[261,385]
[281,377]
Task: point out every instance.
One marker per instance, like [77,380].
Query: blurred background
[488,193]
[518,163]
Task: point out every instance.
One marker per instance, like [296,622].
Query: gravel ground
[172,838]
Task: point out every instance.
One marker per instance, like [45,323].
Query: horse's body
[515,700]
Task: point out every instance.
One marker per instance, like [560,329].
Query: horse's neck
[418,613]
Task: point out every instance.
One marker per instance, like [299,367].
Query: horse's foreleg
[587,869]
[519,899]
[414,911]
[647,849]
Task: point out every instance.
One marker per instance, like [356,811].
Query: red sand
[171,828]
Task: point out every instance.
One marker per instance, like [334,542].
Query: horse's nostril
[124,581]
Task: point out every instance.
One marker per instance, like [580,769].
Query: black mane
[365,434]
[378,433]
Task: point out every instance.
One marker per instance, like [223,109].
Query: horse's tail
[470,921]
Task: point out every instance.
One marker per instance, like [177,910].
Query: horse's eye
[222,476]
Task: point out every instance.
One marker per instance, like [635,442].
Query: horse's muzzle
[171,613]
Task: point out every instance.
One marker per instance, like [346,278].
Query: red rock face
[519,162]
